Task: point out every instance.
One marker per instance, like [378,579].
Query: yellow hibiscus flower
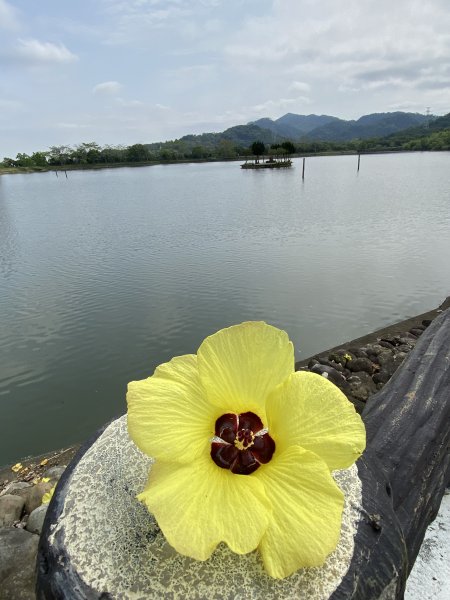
[244,449]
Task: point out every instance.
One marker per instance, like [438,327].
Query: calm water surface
[106,274]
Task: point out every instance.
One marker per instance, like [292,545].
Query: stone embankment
[24,494]
[360,368]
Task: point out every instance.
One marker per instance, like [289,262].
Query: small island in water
[272,162]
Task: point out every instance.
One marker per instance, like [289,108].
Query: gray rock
[390,362]
[416,331]
[11,508]
[329,373]
[18,549]
[330,363]
[361,364]
[36,519]
[20,488]
[374,349]
[55,472]
[360,353]
[381,378]
[404,348]
[389,337]
[16,486]
[21,583]
[339,357]
[386,344]
[35,497]
[361,386]
[312,362]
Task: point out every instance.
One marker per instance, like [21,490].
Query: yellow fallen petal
[16,468]
[45,479]
[199,505]
[239,366]
[48,496]
[307,511]
[169,417]
[311,412]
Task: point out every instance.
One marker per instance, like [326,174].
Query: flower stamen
[241,443]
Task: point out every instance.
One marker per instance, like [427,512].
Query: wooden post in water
[359,159]
[303,170]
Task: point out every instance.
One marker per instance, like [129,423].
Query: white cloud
[135,19]
[35,52]
[107,87]
[299,86]
[270,107]
[357,47]
[129,103]
[8,17]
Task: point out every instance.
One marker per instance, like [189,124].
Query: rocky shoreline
[363,366]
[360,368]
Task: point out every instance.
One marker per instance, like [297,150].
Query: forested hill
[433,135]
[296,128]
[332,129]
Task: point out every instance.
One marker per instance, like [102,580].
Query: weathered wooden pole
[303,170]
[404,470]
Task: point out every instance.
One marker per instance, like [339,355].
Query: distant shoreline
[150,163]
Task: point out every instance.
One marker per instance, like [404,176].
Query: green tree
[60,155]
[226,149]
[198,152]
[9,162]
[39,159]
[23,160]
[258,148]
[137,153]
[289,147]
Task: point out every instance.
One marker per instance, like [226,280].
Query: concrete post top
[100,542]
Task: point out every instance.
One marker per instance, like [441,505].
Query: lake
[105,274]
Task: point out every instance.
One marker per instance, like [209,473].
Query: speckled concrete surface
[430,576]
[117,546]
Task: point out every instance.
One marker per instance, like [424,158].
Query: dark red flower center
[241,443]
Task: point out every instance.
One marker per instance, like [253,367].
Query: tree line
[91,153]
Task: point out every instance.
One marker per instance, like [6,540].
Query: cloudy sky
[127,71]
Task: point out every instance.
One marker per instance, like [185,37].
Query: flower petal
[199,505]
[307,512]
[169,416]
[239,366]
[311,412]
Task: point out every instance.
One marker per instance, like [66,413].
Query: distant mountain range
[300,128]
[311,133]
[332,129]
